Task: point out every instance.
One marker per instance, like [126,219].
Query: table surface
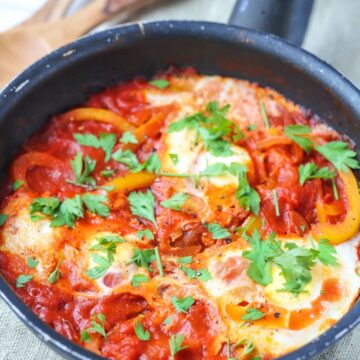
[333,35]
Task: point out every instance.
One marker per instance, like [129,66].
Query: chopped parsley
[339,154]
[102,265]
[247,196]
[297,133]
[200,274]
[212,126]
[97,326]
[126,157]
[128,138]
[107,244]
[158,261]
[56,274]
[107,173]
[176,344]
[96,204]
[182,304]
[142,204]
[168,320]
[252,314]
[152,164]
[3,219]
[147,234]
[176,201]
[276,203]
[17,184]
[143,258]
[32,263]
[264,114]
[217,231]
[326,253]
[106,142]
[82,167]
[22,280]
[138,279]
[140,331]
[174,158]
[68,211]
[160,83]
[312,171]
[185,260]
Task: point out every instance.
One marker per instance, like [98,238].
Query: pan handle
[285,18]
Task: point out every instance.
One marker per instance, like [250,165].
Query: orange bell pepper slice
[345,230]
[100,115]
[131,181]
[24,162]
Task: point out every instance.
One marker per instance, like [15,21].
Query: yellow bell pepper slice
[345,230]
[100,115]
[131,181]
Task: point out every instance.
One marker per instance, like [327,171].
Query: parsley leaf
[32,263]
[176,344]
[145,233]
[158,261]
[160,83]
[17,184]
[105,141]
[96,204]
[107,244]
[142,258]
[82,168]
[253,314]
[140,331]
[142,204]
[56,274]
[128,138]
[247,196]
[185,260]
[339,154]
[22,280]
[296,133]
[201,274]
[107,173]
[174,158]
[126,157]
[326,253]
[102,264]
[176,201]
[3,219]
[296,264]
[312,171]
[95,327]
[69,211]
[182,304]
[152,164]
[138,279]
[217,231]
[46,206]
[260,255]
[212,127]
[168,320]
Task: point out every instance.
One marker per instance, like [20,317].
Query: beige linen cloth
[333,35]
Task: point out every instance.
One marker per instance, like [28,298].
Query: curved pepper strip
[345,230]
[24,162]
[131,181]
[100,115]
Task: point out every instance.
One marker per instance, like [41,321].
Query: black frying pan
[67,76]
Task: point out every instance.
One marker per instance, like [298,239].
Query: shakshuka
[185,217]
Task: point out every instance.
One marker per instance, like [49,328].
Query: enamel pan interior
[67,76]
